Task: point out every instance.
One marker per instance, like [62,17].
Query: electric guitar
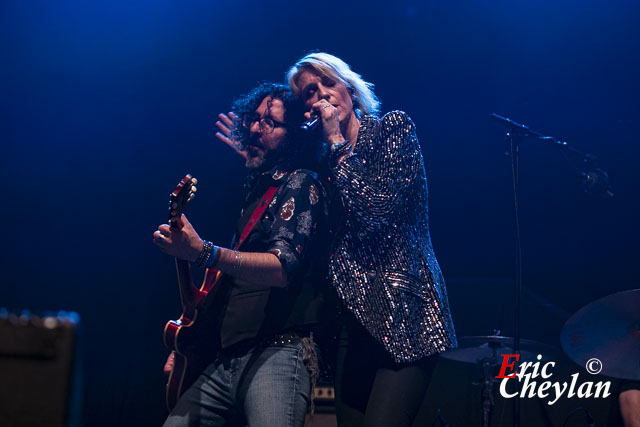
[192,338]
[195,337]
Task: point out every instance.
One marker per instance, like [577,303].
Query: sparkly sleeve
[298,209]
[375,187]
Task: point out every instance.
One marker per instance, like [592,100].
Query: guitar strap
[211,276]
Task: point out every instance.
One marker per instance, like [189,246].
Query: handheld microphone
[311,124]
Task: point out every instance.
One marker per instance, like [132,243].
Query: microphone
[311,124]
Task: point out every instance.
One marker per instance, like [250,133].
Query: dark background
[105,105]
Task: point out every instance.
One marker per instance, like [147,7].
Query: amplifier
[40,386]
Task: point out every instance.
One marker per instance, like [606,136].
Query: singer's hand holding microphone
[325,115]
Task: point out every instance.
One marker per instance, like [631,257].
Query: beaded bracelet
[203,259]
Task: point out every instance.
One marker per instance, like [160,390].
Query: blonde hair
[364,100]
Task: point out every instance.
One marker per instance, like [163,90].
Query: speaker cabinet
[37,359]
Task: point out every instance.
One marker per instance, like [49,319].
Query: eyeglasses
[267,124]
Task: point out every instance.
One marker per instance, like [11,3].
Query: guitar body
[192,354]
[194,338]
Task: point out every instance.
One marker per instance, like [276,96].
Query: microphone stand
[515,137]
[596,180]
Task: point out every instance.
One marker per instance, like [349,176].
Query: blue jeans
[268,386]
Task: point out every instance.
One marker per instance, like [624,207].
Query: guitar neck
[189,294]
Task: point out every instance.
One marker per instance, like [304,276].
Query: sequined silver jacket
[383,265]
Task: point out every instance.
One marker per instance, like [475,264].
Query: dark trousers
[371,389]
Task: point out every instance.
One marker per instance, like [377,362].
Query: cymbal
[607,329]
[475,349]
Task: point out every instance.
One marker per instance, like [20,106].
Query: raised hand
[226,124]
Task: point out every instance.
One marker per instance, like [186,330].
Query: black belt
[283,338]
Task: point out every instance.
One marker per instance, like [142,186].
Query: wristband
[213,259]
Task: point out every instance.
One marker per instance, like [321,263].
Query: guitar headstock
[180,197]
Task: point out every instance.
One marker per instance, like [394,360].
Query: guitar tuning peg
[194,189]
[194,181]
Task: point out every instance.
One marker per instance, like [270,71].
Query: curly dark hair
[301,150]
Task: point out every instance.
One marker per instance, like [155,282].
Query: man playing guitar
[270,295]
